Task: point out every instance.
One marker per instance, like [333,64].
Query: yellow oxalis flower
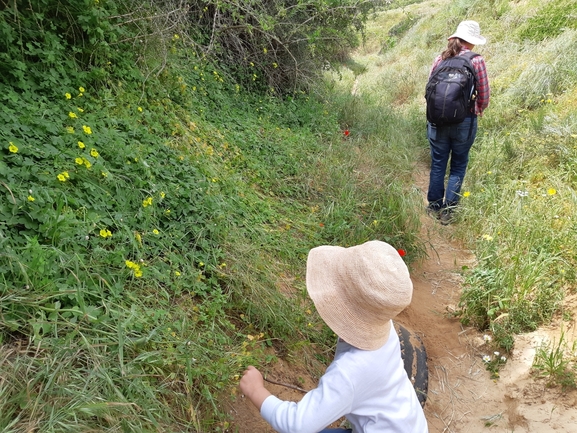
[61,177]
[94,153]
[135,268]
[70,129]
[81,89]
[131,265]
[466,194]
[79,161]
[177,273]
[105,233]
[12,148]
[87,163]
[80,110]
[551,191]
[87,129]
[67,95]
[147,202]
[155,231]
[72,115]
[30,198]
[139,109]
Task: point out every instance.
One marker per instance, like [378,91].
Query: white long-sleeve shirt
[370,388]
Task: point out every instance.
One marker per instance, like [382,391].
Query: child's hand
[252,385]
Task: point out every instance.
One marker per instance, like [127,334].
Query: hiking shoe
[446,217]
[434,212]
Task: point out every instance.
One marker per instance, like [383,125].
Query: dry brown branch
[286,385]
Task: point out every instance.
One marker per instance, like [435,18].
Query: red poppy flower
[402,253]
[346,132]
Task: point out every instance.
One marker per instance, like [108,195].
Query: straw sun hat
[470,32]
[358,290]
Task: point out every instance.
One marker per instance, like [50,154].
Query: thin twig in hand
[286,385]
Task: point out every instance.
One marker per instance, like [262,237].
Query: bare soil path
[462,396]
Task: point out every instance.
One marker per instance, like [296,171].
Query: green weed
[555,361]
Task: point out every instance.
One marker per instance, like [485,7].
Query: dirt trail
[462,397]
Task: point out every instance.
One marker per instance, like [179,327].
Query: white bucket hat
[470,32]
[358,290]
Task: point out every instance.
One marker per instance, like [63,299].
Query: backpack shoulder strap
[470,55]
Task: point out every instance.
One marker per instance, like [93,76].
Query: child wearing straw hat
[357,291]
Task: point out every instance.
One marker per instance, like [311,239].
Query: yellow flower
[81,145]
[104,174]
[466,194]
[12,148]
[30,198]
[94,153]
[147,202]
[131,265]
[72,115]
[80,110]
[105,233]
[139,109]
[138,237]
[81,89]
[87,163]
[137,273]
[61,177]
[488,237]
[162,194]
[177,273]
[79,161]
[87,129]
[155,231]
[68,95]
[70,129]
[551,191]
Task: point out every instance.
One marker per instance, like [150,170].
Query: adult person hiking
[447,139]
[357,291]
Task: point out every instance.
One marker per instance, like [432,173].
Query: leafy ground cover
[157,206]
[156,212]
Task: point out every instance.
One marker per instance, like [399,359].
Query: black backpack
[450,91]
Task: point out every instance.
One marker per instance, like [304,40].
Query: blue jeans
[452,141]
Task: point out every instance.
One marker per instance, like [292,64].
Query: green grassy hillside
[157,204]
